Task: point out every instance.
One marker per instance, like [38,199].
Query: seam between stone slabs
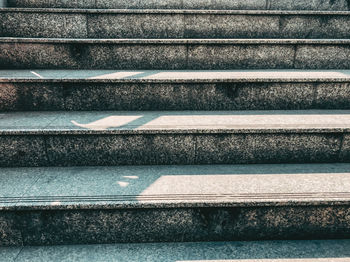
[22,247]
[45,139]
[87,17]
[295,48]
[342,138]
[315,87]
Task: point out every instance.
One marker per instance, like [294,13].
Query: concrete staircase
[174,121]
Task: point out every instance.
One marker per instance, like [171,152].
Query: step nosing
[174,11]
[222,41]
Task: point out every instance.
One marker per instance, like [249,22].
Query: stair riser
[340,5]
[158,149]
[149,25]
[173,96]
[77,55]
[50,227]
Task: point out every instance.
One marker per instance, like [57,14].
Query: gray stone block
[231,26]
[79,56]
[313,57]
[162,24]
[40,24]
[336,95]
[120,150]
[52,3]
[10,232]
[31,96]
[240,56]
[339,5]
[267,148]
[22,151]
[139,4]
[52,227]
[204,251]
[135,25]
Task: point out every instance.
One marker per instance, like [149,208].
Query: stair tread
[133,122]
[176,41]
[174,186]
[254,251]
[176,11]
[175,75]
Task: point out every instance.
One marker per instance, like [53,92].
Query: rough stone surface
[135,26]
[17,24]
[186,224]
[189,24]
[31,96]
[171,54]
[189,4]
[121,150]
[172,96]
[290,148]
[253,251]
[22,151]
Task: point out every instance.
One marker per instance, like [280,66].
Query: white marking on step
[123,184]
[34,73]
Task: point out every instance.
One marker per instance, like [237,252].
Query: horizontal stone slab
[338,5]
[180,54]
[77,23]
[252,251]
[33,90]
[87,205]
[127,138]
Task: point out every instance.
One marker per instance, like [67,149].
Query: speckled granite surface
[180,54]
[170,137]
[34,90]
[45,206]
[189,4]
[269,251]
[79,23]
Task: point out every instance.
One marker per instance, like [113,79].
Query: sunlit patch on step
[108,122]
[122,184]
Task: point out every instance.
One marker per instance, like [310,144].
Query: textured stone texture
[31,96]
[265,148]
[10,233]
[253,251]
[169,54]
[52,3]
[191,24]
[68,150]
[186,224]
[135,26]
[172,96]
[22,151]
[65,25]
[340,5]
[121,150]
[234,26]
[240,56]
[312,57]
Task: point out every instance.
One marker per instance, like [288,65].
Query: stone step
[239,251]
[90,205]
[77,23]
[75,90]
[339,5]
[173,137]
[219,54]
